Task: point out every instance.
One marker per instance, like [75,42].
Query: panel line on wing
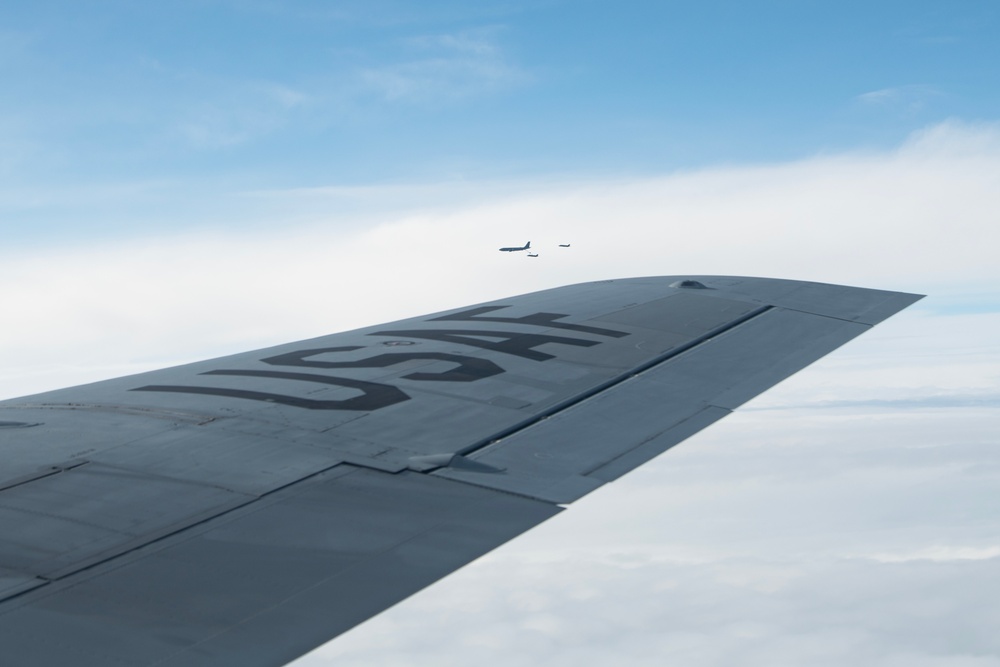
[61,567]
[484,443]
[832,317]
[46,472]
[134,410]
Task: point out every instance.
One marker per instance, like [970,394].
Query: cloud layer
[921,218]
[847,517]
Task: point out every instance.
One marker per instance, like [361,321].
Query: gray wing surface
[246,509]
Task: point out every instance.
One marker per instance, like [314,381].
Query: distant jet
[532,254]
[563,245]
[515,249]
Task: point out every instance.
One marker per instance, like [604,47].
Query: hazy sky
[120,117]
[182,180]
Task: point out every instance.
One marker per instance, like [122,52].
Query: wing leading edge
[246,509]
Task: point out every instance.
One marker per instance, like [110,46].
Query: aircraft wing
[246,509]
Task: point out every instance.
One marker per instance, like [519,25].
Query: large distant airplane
[532,254]
[246,509]
[517,248]
[563,245]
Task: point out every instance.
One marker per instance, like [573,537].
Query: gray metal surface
[571,453]
[243,510]
[262,585]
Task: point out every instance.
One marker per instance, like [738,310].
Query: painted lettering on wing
[518,342]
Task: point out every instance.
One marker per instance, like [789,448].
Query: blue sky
[120,116]
[184,180]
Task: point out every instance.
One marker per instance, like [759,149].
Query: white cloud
[480,42]
[284,95]
[939,553]
[911,97]
[812,533]
[438,69]
[449,68]
[243,113]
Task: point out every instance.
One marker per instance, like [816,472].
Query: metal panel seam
[166,533]
[41,474]
[604,464]
[832,317]
[507,492]
[484,444]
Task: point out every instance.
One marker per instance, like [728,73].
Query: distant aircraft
[532,254]
[517,249]
[563,245]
